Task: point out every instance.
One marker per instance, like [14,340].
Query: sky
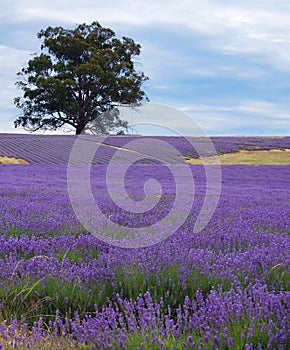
[223,64]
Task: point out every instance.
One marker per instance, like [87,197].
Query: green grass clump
[32,298]
[166,285]
[235,335]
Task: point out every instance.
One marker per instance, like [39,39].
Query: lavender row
[54,149]
[226,286]
[140,324]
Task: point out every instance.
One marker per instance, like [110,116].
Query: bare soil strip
[271,157]
[11,160]
[117,147]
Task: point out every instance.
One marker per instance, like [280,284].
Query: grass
[269,157]
[232,336]
[278,277]
[56,343]
[12,160]
[32,298]
[167,285]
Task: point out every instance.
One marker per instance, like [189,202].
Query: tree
[80,76]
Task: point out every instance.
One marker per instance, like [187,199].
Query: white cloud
[247,40]
[11,62]
[221,117]
[211,118]
[261,28]
[11,58]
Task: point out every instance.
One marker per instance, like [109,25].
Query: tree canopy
[81,75]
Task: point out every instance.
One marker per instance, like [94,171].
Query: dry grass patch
[271,157]
[11,160]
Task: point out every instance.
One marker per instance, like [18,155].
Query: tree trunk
[80,127]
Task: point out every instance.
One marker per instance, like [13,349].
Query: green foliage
[235,336]
[78,255]
[278,278]
[30,299]
[82,75]
[44,296]
[166,284]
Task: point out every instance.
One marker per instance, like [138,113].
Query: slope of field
[56,149]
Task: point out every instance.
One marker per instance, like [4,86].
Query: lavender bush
[226,287]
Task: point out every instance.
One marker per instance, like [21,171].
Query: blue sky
[226,64]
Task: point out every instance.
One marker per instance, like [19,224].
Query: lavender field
[61,287]
[55,149]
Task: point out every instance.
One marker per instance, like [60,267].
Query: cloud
[246,117]
[11,58]
[225,61]
[260,29]
[11,61]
